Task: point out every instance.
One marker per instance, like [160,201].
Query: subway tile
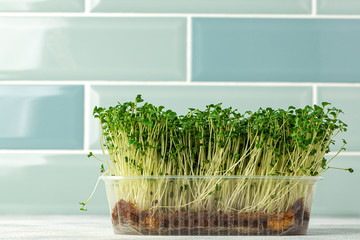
[347,99]
[49,184]
[338,193]
[41,117]
[279,50]
[338,7]
[203,6]
[180,98]
[41,5]
[144,49]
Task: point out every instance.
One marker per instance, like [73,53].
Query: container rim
[312,178]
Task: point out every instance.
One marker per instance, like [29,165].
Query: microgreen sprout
[146,140]
[82,206]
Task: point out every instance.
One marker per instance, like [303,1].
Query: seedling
[145,140]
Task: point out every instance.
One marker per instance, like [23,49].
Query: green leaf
[90,155]
[138,99]
[148,122]
[82,206]
[237,156]
[333,114]
[323,163]
[324,104]
[350,170]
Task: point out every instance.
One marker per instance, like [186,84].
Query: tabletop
[99,227]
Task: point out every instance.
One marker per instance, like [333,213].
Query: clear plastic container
[210,205]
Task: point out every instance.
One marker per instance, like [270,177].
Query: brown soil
[127,219]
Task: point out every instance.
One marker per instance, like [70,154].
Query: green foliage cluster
[146,140]
[223,146]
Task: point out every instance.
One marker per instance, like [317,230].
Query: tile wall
[60,58]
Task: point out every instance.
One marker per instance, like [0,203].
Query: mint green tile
[41,5]
[338,194]
[180,98]
[41,117]
[276,50]
[347,99]
[86,48]
[203,6]
[338,6]
[49,184]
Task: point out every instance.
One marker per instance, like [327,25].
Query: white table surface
[99,227]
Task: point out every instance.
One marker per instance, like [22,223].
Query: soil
[127,219]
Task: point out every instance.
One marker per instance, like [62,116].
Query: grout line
[46,82]
[175,15]
[41,151]
[87,4]
[354,153]
[314,94]
[188,49]
[87,91]
[178,83]
[98,151]
[314,8]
